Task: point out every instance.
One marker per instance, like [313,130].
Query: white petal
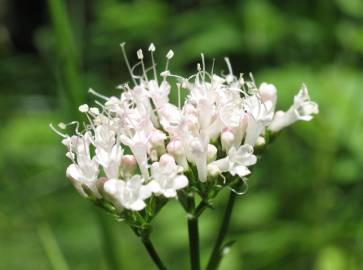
[180,181]
[138,205]
[169,193]
[240,171]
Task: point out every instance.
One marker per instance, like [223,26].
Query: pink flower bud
[128,165]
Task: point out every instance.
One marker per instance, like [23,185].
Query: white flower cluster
[222,116]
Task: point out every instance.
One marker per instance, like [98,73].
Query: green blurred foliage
[303,209]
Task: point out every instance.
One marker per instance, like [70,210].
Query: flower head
[138,145]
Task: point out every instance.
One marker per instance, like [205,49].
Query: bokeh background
[304,207]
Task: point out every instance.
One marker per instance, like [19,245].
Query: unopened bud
[260,141]
[157,138]
[128,165]
[157,144]
[212,153]
[227,139]
[213,170]
[100,184]
[267,91]
[176,149]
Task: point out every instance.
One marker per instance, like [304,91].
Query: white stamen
[57,131]
[61,125]
[93,92]
[152,47]
[140,54]
[83,108]
[170,54]
[127,62]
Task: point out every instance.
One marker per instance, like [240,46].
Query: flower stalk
[152,252]
[217,253]
[193,234]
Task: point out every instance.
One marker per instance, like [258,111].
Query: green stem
[152,252]
[193,234]
[217,252]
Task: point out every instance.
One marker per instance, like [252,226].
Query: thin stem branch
[193,233]
[217,252]
[152,252]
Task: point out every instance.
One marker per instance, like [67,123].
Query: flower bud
[213,170]
[100,184]
[212,153]
[227,139]
[128,165]
[268,92]
[157,139]
[176,149]
[260,141]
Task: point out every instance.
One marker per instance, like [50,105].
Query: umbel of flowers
[138,150]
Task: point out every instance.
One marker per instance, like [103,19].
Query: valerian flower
[138,148]
[302,109]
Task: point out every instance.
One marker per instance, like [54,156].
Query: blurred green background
[304,207]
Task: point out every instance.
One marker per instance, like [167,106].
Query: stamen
[127,62]
[203,65]
[152,49]
[93,92]
[57,131]
[133,68]
[169,55]
[140,55]
[83,108]
[212,70]
[179,98]
[229,66]
[61,125]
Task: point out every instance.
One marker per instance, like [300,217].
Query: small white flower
[110,161]
[84,170]
[128,194]
[236,162]
[260,114]
[166,177]
[302,109]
